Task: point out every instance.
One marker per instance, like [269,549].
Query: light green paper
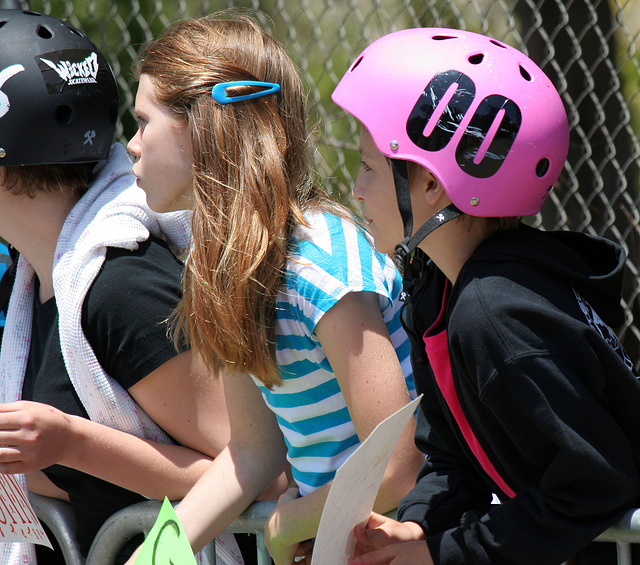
[166,544]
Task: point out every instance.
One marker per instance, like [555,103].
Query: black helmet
[58,95]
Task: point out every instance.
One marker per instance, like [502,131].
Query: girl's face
[375,189]
[162,147]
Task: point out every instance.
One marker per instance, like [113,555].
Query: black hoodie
[546,389]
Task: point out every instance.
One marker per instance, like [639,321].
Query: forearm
[40,484]
[230,484]
[152,469]
[401,472]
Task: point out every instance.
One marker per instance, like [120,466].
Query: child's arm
[254,458]
[357,345]
[183,399]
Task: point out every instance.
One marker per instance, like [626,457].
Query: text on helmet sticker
[5,75]
[69,68]
[488,137]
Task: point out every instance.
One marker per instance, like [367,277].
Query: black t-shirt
[123,318]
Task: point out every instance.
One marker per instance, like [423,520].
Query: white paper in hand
[354,489]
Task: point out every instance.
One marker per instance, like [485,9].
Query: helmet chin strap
[403,193]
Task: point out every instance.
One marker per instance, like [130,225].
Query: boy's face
[375,190]
[162,146]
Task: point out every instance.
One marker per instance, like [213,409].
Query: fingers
[380,557]
[373,535]
[407,553]
[304,552]
[13,460]
[364,543]
[10,454]
[376,520]
[14,468]
[289,495]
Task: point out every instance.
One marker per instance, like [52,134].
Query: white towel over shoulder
[113,213]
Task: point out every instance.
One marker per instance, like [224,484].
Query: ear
[427,187]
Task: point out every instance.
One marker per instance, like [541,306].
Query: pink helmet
[478,114]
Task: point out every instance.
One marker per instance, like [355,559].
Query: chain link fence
[588,48]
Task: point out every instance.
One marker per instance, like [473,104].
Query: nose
[358,188]
[134,145]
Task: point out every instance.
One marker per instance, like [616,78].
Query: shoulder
[335,255]
[148,278]
[329,258]
[502,312]
[152,261]
[335,235]
[338,246]
[125,310]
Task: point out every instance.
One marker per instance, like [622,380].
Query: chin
[154,206]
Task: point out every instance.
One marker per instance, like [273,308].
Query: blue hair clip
[219,91]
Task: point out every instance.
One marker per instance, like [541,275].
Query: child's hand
[406,553]
[281,551]
[33,436]
[381,531]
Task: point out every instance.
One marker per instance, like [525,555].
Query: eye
[366,168]
[140,121]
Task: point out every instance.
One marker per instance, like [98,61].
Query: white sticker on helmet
[83,72]
[5,75]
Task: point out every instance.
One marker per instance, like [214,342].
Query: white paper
[354,489]
[18,520]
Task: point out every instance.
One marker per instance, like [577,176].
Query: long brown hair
[252,182]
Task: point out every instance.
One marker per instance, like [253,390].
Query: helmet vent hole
[2,23]
[44,32]
[497,44]
[525,75]
[442,37]
[476,59]
[542,167]
[356,64]
[64,114]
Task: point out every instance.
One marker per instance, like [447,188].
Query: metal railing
[139,518]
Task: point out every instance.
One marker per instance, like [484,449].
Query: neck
[451,245]
[32,226]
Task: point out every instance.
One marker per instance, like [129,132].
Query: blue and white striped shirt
[5,261]
[328,260]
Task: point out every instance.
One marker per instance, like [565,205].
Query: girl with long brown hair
[284,294]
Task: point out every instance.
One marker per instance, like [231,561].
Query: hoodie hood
[594,266]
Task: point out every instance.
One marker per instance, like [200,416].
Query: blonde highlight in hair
[252,183]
